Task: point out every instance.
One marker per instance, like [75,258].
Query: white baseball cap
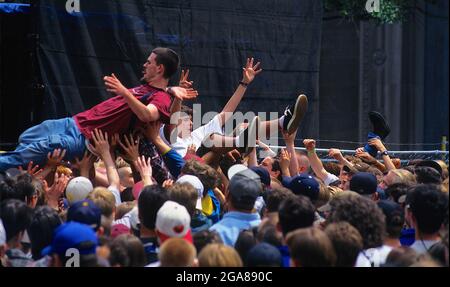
[173,220]
[235,169]
[2,233]
[78,189]
[197,184]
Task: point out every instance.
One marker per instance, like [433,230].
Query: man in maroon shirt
[128,109]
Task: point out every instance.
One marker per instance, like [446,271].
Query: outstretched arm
[248,75]
[314,160]
[382,149]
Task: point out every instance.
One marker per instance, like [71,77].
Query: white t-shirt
[196,138]
[373,257]
[330,179]
[422,246]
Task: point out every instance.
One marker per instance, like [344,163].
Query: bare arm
[314,160]
[337,155]
[381,148]
[248,75]
[285,160]
[290,148]
[101,147]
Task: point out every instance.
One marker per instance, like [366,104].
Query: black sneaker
[293,115]
[248,137]
[380,126]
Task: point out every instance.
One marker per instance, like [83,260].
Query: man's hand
[56,190]
[113,85]
[184,81]
[250,71]
[289,138]
[309,144]
[101,144]
[34,171]
[233,155]
[145,169]
[182,93]
[131,147]
[168,183]
[152,130]
[84,165]
[285,160]
[336,154]
[376,142]
[365,156]
[55,158]
[192,149]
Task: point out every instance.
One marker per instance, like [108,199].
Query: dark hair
[7,189]
[240,204]
[439,252]
[295,212]
[245,241]
[403,256]
[187,110]
[269,234]
[16,217]
[127,251]
[45,221]
[169,59]
[363,214]
[347,242]
[277,167]
[24,188]
[86,260]
[425,175]
[396,190]
[332,168]
[429,206]
[207,175]
[205,237]
[311,247]
[150,201]
[275,196]
[186,195]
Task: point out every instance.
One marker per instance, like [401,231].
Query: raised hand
[131,147]
[55,158]
[145,169]
[192,149]
[250,71]
[233,155]
[85,164]
[56,190]
[152,130]
[101,144]
[309,144]
[113,85]
[34,171]
[285,159]
[184,80]
[365,156]
[335,153]
[168,183]
[183,93]
[376,142]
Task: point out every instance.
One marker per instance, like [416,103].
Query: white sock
[281,121]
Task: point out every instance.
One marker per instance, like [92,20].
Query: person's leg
[49,135]
[381,130]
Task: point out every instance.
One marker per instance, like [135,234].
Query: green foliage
[391,11]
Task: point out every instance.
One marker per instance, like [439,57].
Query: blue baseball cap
[72,235]
[263,174]
[363,183]
[303,184]
[85,211]
[264,255]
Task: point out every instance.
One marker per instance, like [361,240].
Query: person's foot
[293,115]
[248,137]
[380,126]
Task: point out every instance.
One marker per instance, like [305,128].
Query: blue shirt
[233,223]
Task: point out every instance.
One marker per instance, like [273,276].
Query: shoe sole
[300,108]
[376,116]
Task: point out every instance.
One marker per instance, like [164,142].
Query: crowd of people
[131,183]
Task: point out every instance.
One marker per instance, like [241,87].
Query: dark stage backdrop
[213,39]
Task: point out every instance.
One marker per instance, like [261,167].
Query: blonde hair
[219,255]
[64,170]
[104,199]
[403,176]
[177,252]
[324,195]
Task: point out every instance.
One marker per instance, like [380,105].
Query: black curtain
[213,39]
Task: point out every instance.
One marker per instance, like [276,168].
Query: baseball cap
[118,229]
[263,174]
[72,235]
[432,164]
[2,233]
[390,209]
[173,220]
[363,183]
[245,186]
[264,255]
[304,184]
[78,189]
[235,169]
[85,211]
[197,184]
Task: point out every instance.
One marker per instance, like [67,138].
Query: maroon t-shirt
[114,115]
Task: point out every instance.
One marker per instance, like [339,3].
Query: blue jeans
[36,142]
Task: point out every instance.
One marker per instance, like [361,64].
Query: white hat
[235,169]
[197,184]
[173,220]
[78,189]
[2,233]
